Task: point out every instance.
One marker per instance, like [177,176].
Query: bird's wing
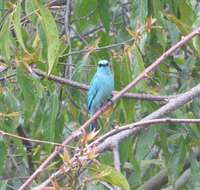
[93,89]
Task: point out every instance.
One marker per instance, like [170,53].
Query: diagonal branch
[117,135]
[181,181]
[160,179]
[156,181]
[81,130]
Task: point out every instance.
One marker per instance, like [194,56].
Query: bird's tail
[93,126]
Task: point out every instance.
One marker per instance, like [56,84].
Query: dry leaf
[66,156]
[87,137]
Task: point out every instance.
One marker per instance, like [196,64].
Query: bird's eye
[103,65]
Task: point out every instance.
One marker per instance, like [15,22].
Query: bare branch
[156,181]
[117,135]
[116,158]
[144,122]
[7,77]
[184,99]
[100,48]
[68,69]
[56,3]
[181,181]
[3,133]
[85,88]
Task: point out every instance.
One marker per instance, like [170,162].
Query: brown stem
[85,87]
[80,131]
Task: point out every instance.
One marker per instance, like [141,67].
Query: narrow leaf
[176,161]
[17,25]
[108,174]
[5,39]
[184,28]
[51,33]
[195,171]
[104,13]
[3,184]
[3,153]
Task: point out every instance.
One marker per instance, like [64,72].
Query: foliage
[32,33]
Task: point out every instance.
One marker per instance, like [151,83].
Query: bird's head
[103,66]
[103,63]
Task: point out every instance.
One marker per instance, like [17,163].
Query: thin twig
[7,77]
[99,48]
[116,158]
[68,69]
[143,123]
[3,133]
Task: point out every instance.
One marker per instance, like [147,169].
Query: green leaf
[85,11]
[9,104]
[195,171]
[17,25]
[137,170]
[125,150]
[2,5]
[5,41]
[144,143]
[147,163]
[186,12]
[52,35]
[177,160]
[138,67]
[3,153]
[104,13]
[12,103]
[184,28]
[123,76]
[108,174]
[51,110]
[45,119]
[143,9]
[163,144]
[196,39]
[31,90]
[30,8]
[3,184]
[196,44]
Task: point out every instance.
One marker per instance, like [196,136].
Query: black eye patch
[103,65]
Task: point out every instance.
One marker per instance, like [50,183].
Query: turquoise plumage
[100,89]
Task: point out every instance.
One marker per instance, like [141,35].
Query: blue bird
[100,89]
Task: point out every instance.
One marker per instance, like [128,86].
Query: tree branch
[194,92]
[3,133]
[181,181]
[85,87]
[117,135]
[67,68]
[156,181]
[7,77]
[116,157]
